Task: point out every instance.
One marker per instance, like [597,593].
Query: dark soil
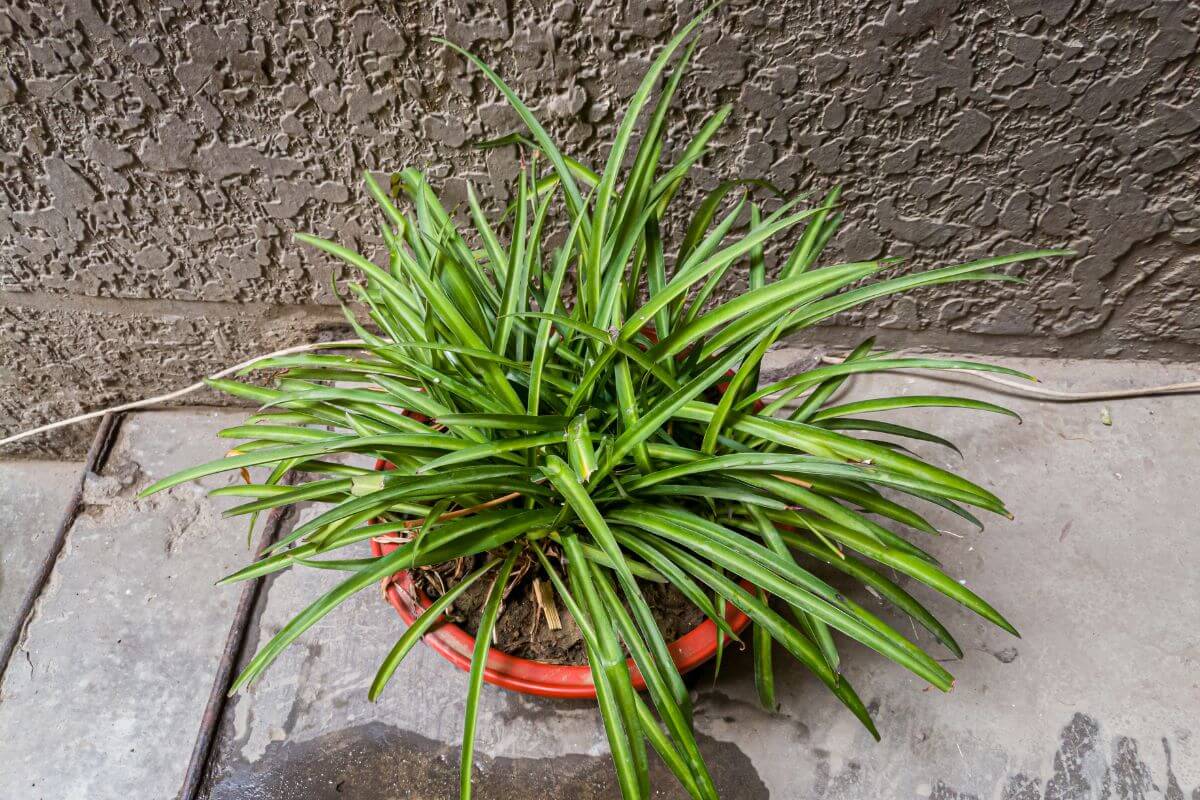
[521,628]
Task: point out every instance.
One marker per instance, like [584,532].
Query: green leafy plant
[615,431]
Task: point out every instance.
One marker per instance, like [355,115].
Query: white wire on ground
[1053,395]
[1050,395]
[166,398]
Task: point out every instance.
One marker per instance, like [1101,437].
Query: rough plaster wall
[55,362]
[156,157]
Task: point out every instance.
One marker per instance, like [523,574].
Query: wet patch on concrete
[378,762]
[943,792]
[1090,766]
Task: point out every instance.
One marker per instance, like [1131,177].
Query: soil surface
[521,628]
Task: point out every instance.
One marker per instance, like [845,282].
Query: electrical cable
[1050,395]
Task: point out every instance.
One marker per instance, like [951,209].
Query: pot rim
[530,676]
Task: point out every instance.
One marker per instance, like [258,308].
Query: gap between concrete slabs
[31,494]
[128,632]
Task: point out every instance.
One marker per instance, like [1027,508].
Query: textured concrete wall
[155,158]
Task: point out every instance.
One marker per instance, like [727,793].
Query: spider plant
[587,409]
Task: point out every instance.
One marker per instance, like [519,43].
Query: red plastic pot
[537,677]
[526,675]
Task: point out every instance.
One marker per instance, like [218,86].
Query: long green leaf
[419,628]
[483,643]
[569,485]
[908,401]
[614,689]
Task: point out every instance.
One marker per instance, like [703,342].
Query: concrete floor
[118,657]
[1100,698]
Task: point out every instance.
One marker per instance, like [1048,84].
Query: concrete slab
[33,497]
[1099,699]
[104,699]
[1101,696]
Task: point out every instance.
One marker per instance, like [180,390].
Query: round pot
[538,677]
[526,675]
